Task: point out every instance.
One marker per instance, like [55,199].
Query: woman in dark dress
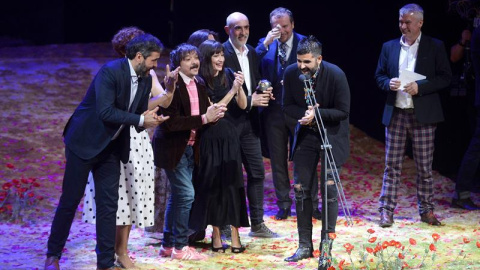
[219,189]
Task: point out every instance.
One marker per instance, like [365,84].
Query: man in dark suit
[175,148]
[332,95]
[276,51]
[412,109]
[466,180]
[242,57]
[97,138]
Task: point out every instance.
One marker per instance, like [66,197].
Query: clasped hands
[309,115]
[410,88]
[151,119]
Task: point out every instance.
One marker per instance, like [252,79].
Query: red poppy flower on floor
[340,265]
[435,237]
[478,244]
[10,166]
[370,231]
[331,268]
[412,241]
[372,240]
[401,256]
[332,236]
[349,247]
[432,247]
[369,249]
[466,240]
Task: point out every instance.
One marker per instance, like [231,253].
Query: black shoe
[283,213]
[219,249]
[261,230]
[466,204]
[317,214]
[430,218]
[386,219]
[300,254]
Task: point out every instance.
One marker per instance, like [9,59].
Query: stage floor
[41,86]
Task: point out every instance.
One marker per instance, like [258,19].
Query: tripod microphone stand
[328,165]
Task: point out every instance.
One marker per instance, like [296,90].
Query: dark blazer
[104,109]
[171,137]
[269,60]
[231,61]
[432,62]
[333,94]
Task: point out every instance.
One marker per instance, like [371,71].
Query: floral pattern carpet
[41,86]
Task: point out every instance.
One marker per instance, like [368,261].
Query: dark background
[352,32]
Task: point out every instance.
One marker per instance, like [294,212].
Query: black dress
[219,189]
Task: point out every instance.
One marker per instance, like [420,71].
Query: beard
[142,69]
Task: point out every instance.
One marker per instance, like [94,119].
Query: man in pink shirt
[175,146]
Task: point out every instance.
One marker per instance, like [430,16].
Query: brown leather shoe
[430,218]
[386,219]
[52,263]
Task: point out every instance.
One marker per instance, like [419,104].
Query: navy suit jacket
[104,109]
[231,61]
[269,60]
[432,62]
[333,94]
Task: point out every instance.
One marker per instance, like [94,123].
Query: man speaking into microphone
[332,93]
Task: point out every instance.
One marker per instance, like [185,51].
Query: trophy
[263,85]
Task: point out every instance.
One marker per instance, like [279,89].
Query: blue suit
[90,146]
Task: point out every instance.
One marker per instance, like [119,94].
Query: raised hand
[171,79]
[272,35]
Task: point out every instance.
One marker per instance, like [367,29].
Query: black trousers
[305,161]
[277,128]
[106,172]
[253,163]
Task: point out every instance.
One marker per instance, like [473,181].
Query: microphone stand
[328,163]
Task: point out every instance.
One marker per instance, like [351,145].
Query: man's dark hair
[309,45]
[280,12]
[180,52]
[144,44]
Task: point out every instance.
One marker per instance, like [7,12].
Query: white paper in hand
[407,76]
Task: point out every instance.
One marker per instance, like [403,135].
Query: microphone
[304,77]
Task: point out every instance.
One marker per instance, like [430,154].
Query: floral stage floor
[41,86]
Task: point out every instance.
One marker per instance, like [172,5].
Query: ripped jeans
[305,161]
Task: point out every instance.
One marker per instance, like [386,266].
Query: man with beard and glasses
[412,110]
[332,94]
[97,138]
[175,145]
[242,57]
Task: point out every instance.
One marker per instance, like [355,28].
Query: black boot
[300,254]
[303,206]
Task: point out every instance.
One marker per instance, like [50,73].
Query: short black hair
[182,50]
[309,45]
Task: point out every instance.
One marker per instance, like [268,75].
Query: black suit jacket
[432,62]
[231,61]
[171,137]
[333,94]
[104,109]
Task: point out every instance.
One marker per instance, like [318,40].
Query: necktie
[282,53]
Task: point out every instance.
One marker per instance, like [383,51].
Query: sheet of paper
[407,76]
